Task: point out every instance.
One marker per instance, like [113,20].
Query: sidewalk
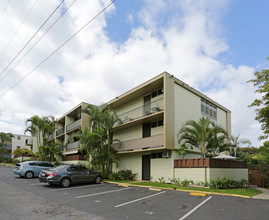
[264,195]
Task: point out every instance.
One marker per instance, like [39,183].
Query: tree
[235,144]
[102,121]
[4,139]
[183,150]
[263,156]
[261,81]
[202,135]
[21,152]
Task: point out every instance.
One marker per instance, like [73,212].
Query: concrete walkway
[264,195]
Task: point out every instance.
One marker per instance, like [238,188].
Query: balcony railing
[73,145]
[7,147]
[140,144]
[51,137]
[73,125]
[142,111]
[59,131]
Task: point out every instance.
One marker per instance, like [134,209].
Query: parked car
[65,175]
[30,169]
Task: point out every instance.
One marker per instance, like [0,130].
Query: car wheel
[65,182]
[97,180]
[29,174]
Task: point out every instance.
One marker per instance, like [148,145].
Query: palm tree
[201,135]
[4,139]
[235,144]
[102,120]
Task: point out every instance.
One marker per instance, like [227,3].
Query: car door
[83,174]
[34,166]
[74,174]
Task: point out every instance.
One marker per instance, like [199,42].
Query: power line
[5,8]
[32,37]
[70,38]
[18,29]
[62,14]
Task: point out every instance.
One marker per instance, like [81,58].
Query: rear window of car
[46,165]
[34,164]
[59,168]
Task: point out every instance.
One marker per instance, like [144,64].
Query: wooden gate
[259,175]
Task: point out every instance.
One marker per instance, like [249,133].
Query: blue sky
[244,26]
[215,46]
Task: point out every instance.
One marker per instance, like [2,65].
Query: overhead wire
[38,40]
[32,37]
[16,32]
[5,8]
[70,38]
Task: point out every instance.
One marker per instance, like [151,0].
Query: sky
[214,46]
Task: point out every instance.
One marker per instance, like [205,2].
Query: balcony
[7,146]
[143,111]
[73,145]
[140,144]
[73,125]
[29,142]
[51,137]
[59,131]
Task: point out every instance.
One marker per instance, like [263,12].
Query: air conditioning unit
[166,154]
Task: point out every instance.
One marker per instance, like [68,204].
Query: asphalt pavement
[22,198]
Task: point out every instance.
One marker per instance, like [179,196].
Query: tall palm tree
[200,135]
[235,144]
[103,117]
[4,139]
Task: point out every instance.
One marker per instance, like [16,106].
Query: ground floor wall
[162,169]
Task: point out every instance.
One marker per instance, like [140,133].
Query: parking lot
[109,201]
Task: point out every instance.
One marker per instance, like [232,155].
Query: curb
[190,191]
[7,165]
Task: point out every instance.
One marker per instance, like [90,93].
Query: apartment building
[151,115]
[67,125]
[18,141]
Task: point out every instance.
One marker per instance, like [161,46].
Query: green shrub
[123,175]
[174,180]
[187,182]
[161,180]
[227,183]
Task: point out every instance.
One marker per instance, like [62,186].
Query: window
[156,155]
[209,109]
[146,130]
[18,137]
[18,147]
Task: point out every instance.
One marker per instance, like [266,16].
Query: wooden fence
[208,162]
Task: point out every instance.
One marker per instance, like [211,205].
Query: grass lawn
[250,192]
[11,164]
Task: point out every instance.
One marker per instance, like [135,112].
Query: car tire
[29,174]
[65,182]
[97,180]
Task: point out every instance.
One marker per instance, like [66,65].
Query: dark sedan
[65,175]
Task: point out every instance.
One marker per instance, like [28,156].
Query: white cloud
[184,38]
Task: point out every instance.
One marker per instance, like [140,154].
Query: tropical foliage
[263,156]
[203,135]
[261,81]
[96,142]
[22,152]
[5,138]
[40,128]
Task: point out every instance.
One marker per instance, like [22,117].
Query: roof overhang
[70,152]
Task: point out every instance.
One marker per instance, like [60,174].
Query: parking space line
[95,194]
[126,203]
[77,187]
[196,207]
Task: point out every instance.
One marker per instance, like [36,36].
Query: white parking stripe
[139,199]
[77,187]
[95,194]
[190,212]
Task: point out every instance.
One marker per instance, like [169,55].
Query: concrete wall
[234,173]
[132,162]
[207,174]
[161,167]
[129,133]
